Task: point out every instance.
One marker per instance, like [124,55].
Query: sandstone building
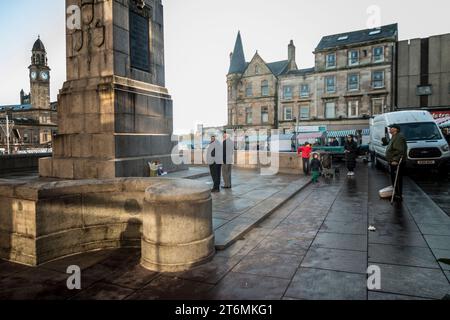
[35,118]
[352,80]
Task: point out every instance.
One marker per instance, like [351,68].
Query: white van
[426,144]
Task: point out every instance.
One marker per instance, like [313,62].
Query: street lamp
[7,126]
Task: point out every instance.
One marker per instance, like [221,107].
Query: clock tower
[39,77]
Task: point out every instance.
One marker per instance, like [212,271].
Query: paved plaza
[287,239]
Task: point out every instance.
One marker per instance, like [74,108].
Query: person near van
[395,152]
[334,142]
[305,152]
[351,153]
[214,167]
[316,168]
[228,156]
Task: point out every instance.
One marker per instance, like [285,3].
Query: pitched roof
[17,107]
[238,64]
[355,37]
[301,72]
[278,67]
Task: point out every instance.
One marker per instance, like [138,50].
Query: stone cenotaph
[115,114]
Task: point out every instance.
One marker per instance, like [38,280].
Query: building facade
[352,80]
[423,80]
[33,122]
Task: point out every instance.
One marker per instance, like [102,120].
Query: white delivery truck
[427,147]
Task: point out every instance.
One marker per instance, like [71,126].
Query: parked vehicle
[427,147]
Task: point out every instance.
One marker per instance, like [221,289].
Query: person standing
[351,153]
[334,142]
[228,160]
[316,168]
[396,155]
[305,153]
[215,168]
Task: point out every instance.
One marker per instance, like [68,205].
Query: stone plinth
[42,221]
[114,113]
[177,226]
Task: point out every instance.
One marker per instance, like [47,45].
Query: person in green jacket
[396,155]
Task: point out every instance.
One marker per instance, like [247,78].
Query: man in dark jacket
[228,160]
[396,155]
[351,153]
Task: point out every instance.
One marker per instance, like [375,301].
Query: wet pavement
[315,246]
[435,185]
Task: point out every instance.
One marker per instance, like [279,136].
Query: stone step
[232,231]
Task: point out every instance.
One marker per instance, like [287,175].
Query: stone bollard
[177,226]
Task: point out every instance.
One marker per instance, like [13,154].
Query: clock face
[44,75]
[33,75]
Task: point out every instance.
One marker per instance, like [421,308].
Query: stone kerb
[178,231]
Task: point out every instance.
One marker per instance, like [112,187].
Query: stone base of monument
[43,220]
[177,226]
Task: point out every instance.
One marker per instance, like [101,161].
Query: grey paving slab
[8,268]
[315,284]
[341,241]
[413,281]
[438,242]
[269,264]
[84,261]
[400,255]
[217,223]
[445,255]
[103,291]
[133,277]
[410,239]
[389,296]
[435,229]
[172,288]
[337,260]
[357,228]
[241,286]
[35,284]
[211,272]
[285,245]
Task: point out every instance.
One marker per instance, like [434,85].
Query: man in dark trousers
[396,155]
[228,159]
[215,166]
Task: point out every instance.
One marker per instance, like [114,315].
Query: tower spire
[238,63]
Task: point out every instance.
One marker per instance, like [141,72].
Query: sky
[199,36]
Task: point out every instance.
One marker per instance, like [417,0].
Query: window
[342,38]
[353,58]
[353,82]
[304,113]
[288,113]
[249,116]
[331,60]
[304,91]
[230,93]
[378,54]
[372,33]
[378,79]
[256,69]
[353,109]
[330,84]
[330,110]
[377,106]
[249,90]
[264,115]
[287,93]
[265,88]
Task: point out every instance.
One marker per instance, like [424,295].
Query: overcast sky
[200,35]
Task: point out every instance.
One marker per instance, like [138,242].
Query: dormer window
[331,60]
[374,32]
[342,38]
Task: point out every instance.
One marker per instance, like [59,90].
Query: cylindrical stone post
[178,230]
